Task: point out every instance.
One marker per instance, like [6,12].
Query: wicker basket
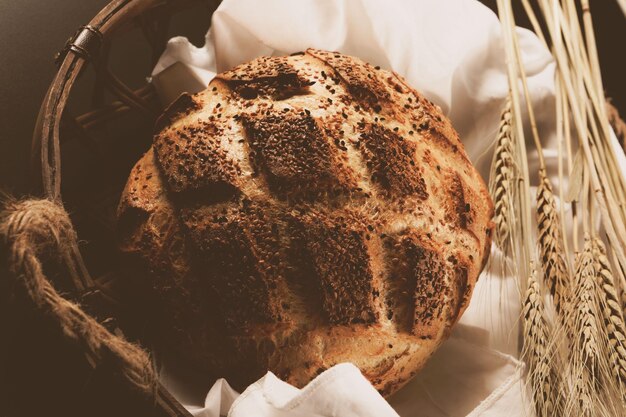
[99,140]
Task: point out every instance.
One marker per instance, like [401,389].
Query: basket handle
[81,48]
[46,164]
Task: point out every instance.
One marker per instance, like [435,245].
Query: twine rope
[32,228]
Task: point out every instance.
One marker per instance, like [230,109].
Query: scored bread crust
[305,211]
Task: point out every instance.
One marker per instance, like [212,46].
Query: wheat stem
[612,211]
[529,107]
[521,192]
[560,137]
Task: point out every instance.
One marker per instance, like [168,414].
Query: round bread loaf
[305,211]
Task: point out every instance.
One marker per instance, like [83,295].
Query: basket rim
[80,50]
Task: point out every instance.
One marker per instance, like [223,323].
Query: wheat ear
[612,320]
[623,295]
[585,346]
[551,244]
[544,383]
[501,178]
[621,281]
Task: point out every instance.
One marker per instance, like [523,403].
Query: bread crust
[304,211]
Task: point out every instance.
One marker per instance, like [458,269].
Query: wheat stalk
[612,320]
[585,99]
[550,240]
[541,345]
[501,178]
[591,311]
[585,345]
[521,213]
[543,382]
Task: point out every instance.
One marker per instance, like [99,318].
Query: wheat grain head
[555,269]
[542,380]
[501,178]
[585,341]
[611,322]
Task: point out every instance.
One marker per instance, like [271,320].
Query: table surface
[32,31]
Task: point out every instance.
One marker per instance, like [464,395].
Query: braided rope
[32,228]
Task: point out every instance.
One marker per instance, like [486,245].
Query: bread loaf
[304,211]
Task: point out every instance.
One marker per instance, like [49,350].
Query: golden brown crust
[304,211]
[294,154]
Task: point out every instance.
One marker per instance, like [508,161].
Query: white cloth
[332,393]
[451,51]
[461,378]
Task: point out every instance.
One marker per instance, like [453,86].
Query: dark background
[31,31]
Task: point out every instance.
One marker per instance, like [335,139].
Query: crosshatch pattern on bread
[304,211]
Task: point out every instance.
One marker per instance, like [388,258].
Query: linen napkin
[462,378]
